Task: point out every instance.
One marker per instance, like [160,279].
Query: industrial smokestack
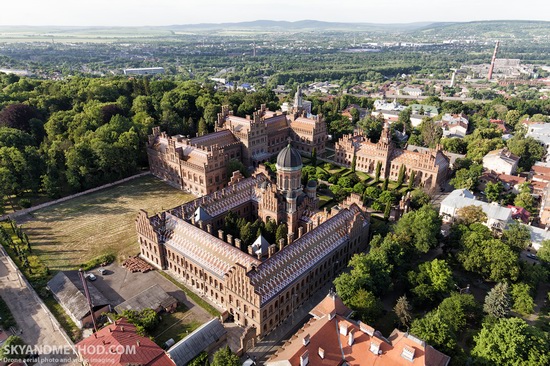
[490,75]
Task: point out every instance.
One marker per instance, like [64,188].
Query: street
[34,322]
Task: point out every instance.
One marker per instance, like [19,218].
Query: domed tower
[289,176]
[289,170]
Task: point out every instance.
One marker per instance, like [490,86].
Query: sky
[170,12]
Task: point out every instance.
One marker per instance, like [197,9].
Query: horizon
[140,13]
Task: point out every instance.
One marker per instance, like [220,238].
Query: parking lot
[118,284]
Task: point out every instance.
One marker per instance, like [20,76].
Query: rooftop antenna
[490,75]
[88,298]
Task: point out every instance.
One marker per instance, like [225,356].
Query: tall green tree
[511,342]
[403,310]
[224,357]
[401,176]
[523,301]
[498,302]
[377,171]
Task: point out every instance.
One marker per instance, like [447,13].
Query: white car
[102,271]
[91,277]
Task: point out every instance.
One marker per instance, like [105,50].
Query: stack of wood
[136,264]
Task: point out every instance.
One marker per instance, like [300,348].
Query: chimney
[351,338]
[281,244]
[250,250]
[122,329]
[344,328]
[220,234]
[230,239]
[290,238]
[209,228]
[306,339]
[238,243]
[321,353]
[300,232]
[331,315]
[271,250]
[375,347]
[137,342]
[201,225]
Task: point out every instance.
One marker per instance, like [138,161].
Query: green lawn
[175,326]
[73,232]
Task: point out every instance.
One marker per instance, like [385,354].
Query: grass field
[73,232]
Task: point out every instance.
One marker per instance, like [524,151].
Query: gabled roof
[69,292]
[331,303]
[202,215]
[462,197]
[260,245]
[122,335]
[152,298]
[196,342]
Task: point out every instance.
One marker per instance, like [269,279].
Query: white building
[383,105]
[501,161]
[498,217]
[540,131]
[416,92]
[454,125]
[538,235]
[144,71]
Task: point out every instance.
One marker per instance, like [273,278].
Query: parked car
[102,271]
[532,256]
[91,277]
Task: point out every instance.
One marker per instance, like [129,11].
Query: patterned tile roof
[209,252]
[293,261]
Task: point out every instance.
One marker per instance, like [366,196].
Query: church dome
[289,159]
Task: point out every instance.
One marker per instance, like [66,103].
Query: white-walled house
[498,217]
[501,161]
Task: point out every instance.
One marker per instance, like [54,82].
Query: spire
[386,134]
[298,98]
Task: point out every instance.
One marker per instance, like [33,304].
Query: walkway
[34,321]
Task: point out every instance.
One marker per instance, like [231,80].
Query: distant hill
[493,29]
[281,25]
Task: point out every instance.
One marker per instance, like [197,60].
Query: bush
[25,202]
[6,318]
[97,261]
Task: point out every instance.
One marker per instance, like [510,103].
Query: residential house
[454,125]
[416,92]
[501,161]
[510,183]
[125,346]
[538,235]
[540,131]
[332,338]
[500,125]
[498,217]
[520,214]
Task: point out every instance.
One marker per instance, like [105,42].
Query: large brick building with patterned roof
[199,165]
[260,285]
[430,166]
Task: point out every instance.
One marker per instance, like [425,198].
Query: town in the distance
[275,193]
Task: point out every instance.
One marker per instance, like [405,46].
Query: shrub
[25,202]
[97,261]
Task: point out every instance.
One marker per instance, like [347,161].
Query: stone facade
[258,288]
[199,165]
[430,166]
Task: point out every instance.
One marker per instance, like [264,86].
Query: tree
[544,251]
[234,165]
[200,360]
[353,163]
[419,198]
[10,351]
[282,232]
[431,280]
[528,149]
[497,301]
[420,228]
[247,234]
[314,157]
[17,116]
[430,132]
[401,176]
[517,236]
[367,305]
[224,357]
[377,172]
[385,184]
[458,310]
[403,309]
[493,191]
[372,193]
[467,178]
[436,332]
[468,215]
[411,180]
[455,145]
[202,129]
[523,301]
[511,342]
[525,199]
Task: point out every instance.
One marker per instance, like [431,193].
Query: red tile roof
[119,344]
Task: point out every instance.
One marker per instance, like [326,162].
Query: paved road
[34,322]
